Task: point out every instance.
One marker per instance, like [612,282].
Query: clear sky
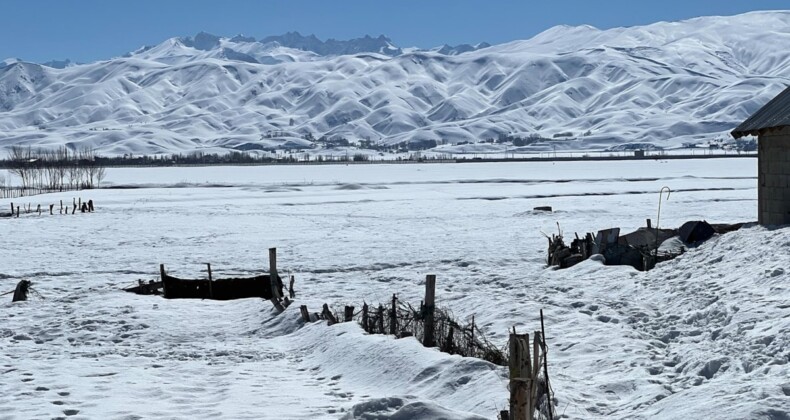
[88,30]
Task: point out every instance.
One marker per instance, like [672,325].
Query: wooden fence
[17,192]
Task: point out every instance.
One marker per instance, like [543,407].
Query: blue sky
[87,30]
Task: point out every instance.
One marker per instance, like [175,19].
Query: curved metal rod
[658,217]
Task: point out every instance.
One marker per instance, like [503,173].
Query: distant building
[772,126]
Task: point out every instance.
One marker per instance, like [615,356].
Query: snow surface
[703,336]
[665,83]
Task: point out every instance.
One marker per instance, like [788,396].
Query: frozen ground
[704,336]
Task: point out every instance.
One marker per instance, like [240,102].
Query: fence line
[16,192]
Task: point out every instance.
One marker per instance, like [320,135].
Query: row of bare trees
[58,169]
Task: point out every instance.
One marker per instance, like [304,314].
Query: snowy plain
[703,336]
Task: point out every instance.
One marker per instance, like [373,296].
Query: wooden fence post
[210,287]
[381,319]
[61,206]
[17,211]
[291,291]
[394,316]
[430,295]
[472,345]
[273,280]
[51,207]
[365,324]
[330,317]
[38,209]
[519,376]
[348,315]
[12,209]
[162,278]
[305,313]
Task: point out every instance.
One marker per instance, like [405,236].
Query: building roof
[775,113]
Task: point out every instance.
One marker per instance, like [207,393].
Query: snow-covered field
[703,336]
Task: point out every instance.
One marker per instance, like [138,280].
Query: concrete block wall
[774,178]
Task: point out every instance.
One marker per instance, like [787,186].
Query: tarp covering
[696,231]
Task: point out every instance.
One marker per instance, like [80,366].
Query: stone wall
[774,177]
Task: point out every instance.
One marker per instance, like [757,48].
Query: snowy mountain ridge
[665,83]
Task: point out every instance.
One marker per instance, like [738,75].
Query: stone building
[772,126]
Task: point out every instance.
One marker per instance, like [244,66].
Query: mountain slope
[664,83]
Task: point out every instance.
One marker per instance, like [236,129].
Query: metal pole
[658,217]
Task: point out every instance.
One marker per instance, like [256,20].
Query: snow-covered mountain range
[665,83]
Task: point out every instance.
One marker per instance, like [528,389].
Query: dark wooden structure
[219,289]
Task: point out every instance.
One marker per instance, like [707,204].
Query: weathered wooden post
[472,346]
[348,315]
[17,211]
[61,206]
[305,313]
[210,286]
[38,209]
[162,276]
[394,316]
[90,206]
[291,291]
[328,315]
[273,280]
[51,207]
[12,209]
[519,376]
[381,319]
[430,294]
[365,322]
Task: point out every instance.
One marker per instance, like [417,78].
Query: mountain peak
[331,46]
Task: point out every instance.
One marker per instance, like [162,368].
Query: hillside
[665,83]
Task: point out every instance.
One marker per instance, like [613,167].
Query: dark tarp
[696,231]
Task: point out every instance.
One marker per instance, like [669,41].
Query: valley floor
[703,336]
